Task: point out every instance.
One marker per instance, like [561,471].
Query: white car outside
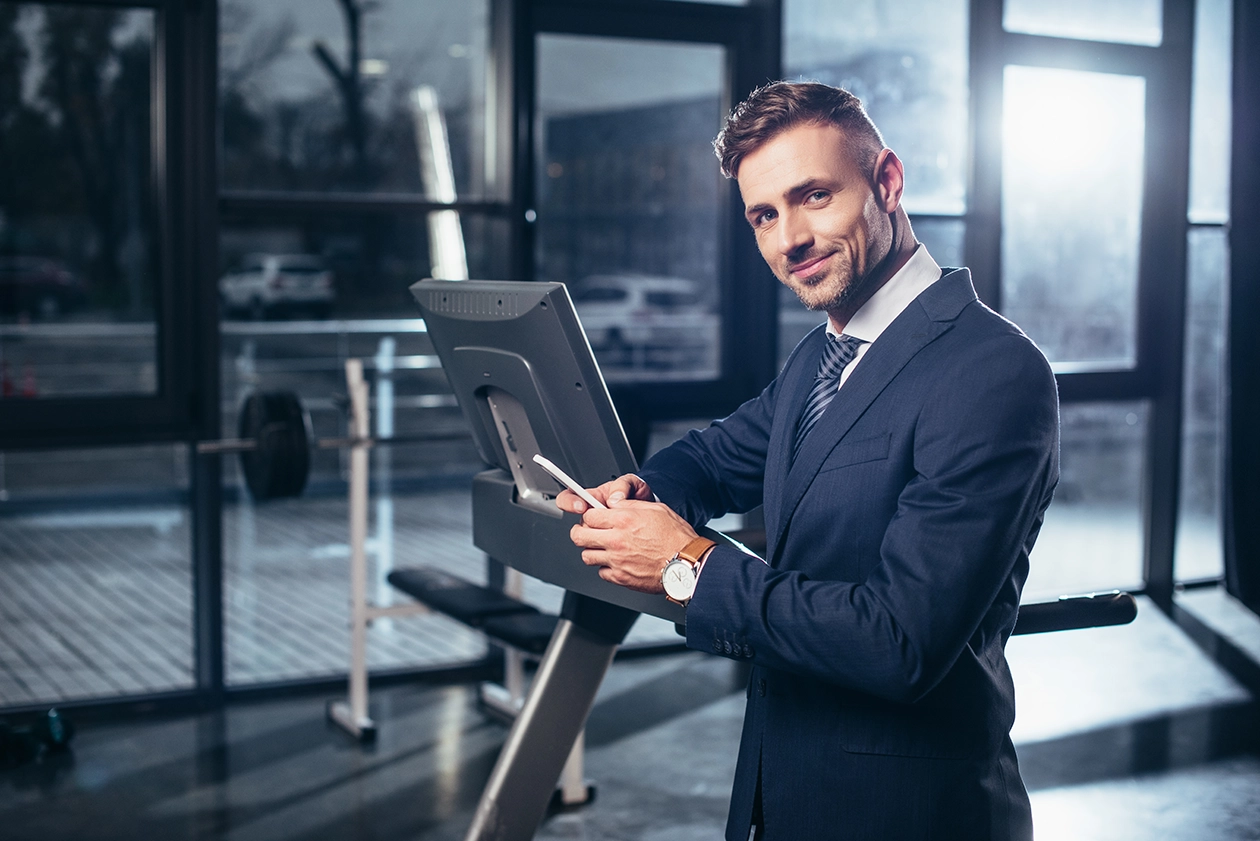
[266,284]
[647,323]
[634,309]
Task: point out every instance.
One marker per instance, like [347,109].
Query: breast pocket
[849,453]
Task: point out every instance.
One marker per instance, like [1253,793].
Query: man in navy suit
[904,456]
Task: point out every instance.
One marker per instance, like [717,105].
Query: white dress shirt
[873,318]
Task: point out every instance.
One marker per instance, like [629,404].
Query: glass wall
[345,128]
[79,251]
[95,543]
[358,153]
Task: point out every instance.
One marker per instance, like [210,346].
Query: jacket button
[747,650]
[726,646]
[761,687]
[717,646]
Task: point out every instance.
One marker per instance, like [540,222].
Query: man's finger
[571,502]
[616,576]
[625,514]
[619,491]
[595,558]
[628,486]
[631,504]
[584,537]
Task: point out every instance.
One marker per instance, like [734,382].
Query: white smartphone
[567,480]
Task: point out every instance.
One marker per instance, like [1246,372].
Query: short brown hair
[778,106]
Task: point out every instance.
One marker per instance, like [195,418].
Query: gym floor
[1123,733]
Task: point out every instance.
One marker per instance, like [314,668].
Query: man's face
[818,220]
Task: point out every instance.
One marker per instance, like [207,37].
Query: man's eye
[818,195]
[762,218]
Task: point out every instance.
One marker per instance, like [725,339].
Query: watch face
[679,579]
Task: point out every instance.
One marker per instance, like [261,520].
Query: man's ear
[890,180]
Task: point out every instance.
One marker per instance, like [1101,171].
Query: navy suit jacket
[880,703]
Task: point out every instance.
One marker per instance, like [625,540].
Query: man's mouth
[806,269]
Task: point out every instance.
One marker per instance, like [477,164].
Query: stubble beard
[853,283]
[851,287]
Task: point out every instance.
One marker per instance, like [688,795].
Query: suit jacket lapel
[918,325]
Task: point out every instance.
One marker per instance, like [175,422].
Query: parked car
[630,308]
[271,284]
[38,287]
[647,322]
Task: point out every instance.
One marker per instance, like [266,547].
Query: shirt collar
[873,318]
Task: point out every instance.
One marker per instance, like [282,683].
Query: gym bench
[523,630]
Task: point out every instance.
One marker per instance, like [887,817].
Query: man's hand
[628,486]
[631,540]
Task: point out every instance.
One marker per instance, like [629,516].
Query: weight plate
[281,463]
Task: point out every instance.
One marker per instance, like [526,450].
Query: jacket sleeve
[985,458]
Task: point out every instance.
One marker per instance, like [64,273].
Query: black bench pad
[528,632]
[470,603]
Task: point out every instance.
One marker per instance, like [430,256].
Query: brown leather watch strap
[694,550]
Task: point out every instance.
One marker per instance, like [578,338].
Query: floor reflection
[1127,733]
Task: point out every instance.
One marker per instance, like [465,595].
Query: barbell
[275,439]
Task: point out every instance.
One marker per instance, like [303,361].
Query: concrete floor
[1124,734]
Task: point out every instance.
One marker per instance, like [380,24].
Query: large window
[97,559]
[1082,150]
[79,247]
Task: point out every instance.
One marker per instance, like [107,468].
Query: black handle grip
[1071,612]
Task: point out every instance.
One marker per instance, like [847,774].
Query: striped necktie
[839,353]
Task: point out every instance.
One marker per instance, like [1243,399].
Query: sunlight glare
[1057,122]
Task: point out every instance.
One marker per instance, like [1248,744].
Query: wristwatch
[679,575]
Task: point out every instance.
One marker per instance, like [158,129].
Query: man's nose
[794,234]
